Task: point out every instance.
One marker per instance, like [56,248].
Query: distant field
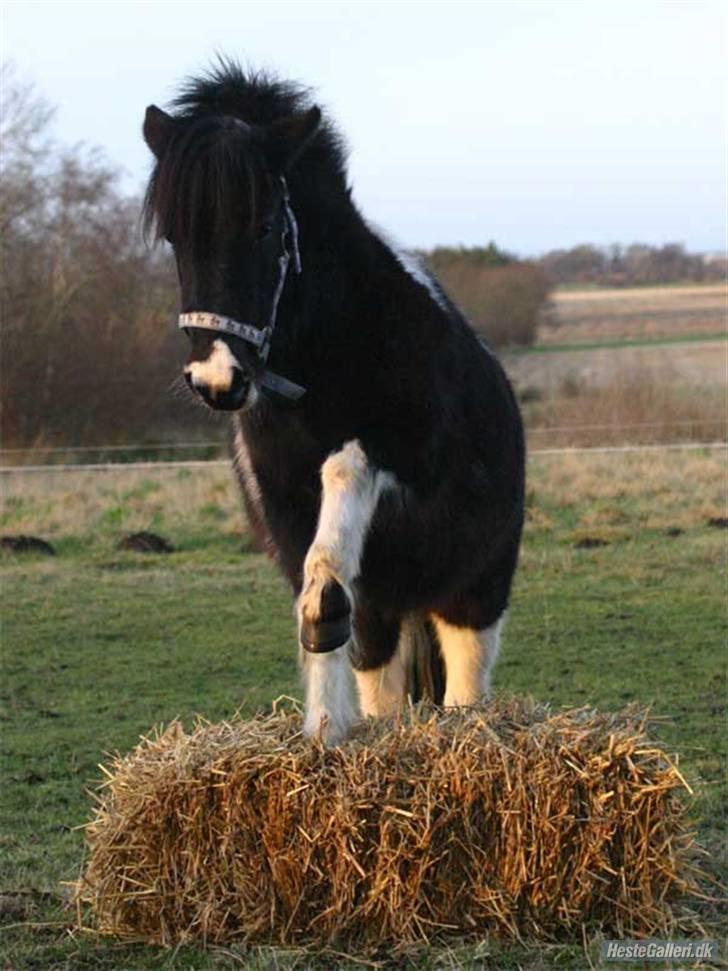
[99,645]
[627,366]
[700,364]
[638,312]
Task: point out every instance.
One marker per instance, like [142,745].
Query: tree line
[638,264]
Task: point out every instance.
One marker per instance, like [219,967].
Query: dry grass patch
[122,500]
[652,488]
[655,489]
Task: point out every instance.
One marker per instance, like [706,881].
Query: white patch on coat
[413,266]
[329,708]
[382,691]
[350,493]
[216,371]
[469,657]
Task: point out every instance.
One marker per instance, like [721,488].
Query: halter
[260,337]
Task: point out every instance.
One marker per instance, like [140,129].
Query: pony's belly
[418,555]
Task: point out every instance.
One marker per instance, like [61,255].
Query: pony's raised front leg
[350,492]
[469,656]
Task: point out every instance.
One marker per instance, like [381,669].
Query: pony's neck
[346,278]
[335,243]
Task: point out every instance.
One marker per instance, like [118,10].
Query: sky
[533,123]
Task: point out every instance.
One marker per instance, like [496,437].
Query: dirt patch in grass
[26,544]
[145,542]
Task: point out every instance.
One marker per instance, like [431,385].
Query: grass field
[100,645]
[623,395]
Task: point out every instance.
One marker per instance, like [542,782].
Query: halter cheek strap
[260,337]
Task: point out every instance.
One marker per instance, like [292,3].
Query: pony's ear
[287,138]
[157,129]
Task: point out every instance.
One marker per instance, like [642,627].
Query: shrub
[505,299]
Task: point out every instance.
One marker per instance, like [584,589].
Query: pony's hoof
[332,627]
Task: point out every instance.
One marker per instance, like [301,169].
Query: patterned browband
[206,321]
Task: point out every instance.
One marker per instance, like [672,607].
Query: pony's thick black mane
[187,188]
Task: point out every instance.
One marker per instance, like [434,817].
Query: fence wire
[220,443]
[219,463]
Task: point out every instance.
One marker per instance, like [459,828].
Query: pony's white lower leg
[329,708]
[382,690]
[469,656]
[349,495]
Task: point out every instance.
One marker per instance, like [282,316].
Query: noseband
[260,337]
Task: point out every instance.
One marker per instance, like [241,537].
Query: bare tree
[88,351]
[636,264]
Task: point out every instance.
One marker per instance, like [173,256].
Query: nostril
[238,382]
[199,388]
[230,399]
[204,392]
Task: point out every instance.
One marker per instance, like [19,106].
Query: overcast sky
[536,124]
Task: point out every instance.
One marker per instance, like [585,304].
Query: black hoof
[333,628]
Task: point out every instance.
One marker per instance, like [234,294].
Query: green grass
[99,646]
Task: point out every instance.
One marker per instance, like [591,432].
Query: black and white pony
[377,440]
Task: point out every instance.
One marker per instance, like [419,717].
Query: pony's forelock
[206,174]
[204,181]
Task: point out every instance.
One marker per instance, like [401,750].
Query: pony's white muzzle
[219,379]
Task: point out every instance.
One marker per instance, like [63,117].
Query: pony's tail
[420,650]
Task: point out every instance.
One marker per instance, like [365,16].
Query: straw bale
[509,820]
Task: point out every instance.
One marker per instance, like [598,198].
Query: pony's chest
[247,475]
[278,463]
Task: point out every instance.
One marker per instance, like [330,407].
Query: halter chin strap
[261,337]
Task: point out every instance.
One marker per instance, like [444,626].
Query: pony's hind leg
[350,492]
[469,656]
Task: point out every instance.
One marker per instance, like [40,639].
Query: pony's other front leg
[327,678]
[350,491]
[379,662]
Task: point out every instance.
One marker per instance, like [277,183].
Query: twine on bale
[507,820]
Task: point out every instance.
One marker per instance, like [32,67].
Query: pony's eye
[265,230]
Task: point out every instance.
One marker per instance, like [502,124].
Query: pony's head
[218,195]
